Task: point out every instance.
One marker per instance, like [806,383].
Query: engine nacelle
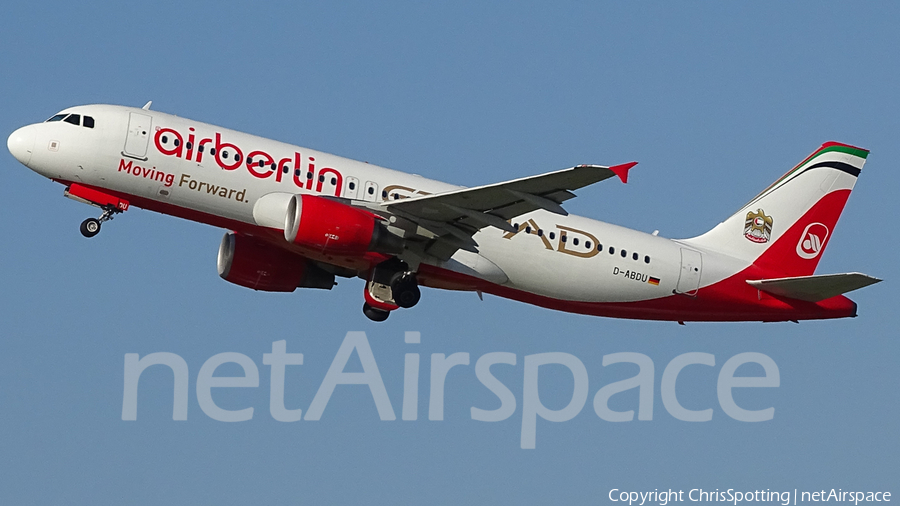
[329,226]
[250,262]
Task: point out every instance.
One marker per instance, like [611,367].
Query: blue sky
[715,100]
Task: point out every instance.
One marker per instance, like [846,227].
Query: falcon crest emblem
[758,227]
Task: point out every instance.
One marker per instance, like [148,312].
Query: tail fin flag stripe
[828,147]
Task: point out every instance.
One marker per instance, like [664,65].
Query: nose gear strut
[91,226]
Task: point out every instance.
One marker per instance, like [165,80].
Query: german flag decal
[653,281]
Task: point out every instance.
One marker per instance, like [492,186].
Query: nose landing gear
[91,226]
[110,204]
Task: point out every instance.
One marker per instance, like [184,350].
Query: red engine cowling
[250,262]
[329,226]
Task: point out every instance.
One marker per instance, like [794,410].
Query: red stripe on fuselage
[731,299]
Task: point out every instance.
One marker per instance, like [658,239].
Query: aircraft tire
[405,289]
[90,227]
[376,315]
[407,296]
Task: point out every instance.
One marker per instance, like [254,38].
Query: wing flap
[814,288]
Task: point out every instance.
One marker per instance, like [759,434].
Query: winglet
[622,170]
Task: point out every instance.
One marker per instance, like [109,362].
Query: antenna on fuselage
[147,106]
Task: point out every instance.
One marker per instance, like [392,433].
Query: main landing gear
[374,314]
[91,226]
[391,285]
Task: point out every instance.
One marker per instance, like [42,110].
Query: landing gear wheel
[90,227]
[407,296]
[376,315]
[405,289]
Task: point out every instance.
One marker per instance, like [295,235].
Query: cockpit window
[58,117]
[74,119]
[88,122]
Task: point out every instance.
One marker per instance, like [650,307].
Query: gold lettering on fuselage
[397,192]
[565,243]
[530,228]
[586,253]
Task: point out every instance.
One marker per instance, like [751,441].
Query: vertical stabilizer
[786,228]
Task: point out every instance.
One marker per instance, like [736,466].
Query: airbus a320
[300,218]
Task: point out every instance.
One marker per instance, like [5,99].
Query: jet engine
[330,226]
[250,262]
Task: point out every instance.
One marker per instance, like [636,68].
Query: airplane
[299,218]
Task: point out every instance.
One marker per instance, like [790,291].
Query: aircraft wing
[814,288]
[456,215]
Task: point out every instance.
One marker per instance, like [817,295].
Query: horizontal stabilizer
[814,288]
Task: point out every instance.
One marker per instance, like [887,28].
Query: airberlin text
[259,164]
[488,369]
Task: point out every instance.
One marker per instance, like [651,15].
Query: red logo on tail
[812,241]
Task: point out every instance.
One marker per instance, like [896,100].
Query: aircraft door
[138,136]
[691,267]
[371,191]
[351,188]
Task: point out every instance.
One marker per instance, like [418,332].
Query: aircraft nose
[21,144]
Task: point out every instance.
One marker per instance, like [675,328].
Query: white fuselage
[157,156]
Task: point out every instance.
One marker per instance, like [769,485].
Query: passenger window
[634,256]
[562,237]
[74,119]
[575,241]
[624,253]
[58,117]
[552,236]
[647,259]
[352,185]
[540,232]
[599,247]
[371,191]
[88,122]
[587,244]
[612,251]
